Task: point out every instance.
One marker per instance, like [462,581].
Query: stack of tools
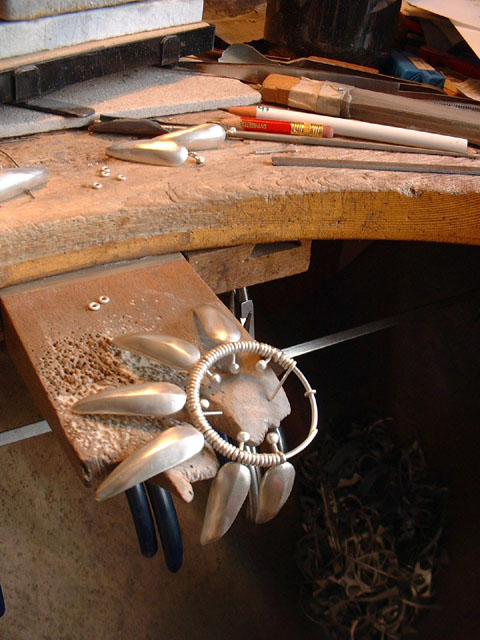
[373,520]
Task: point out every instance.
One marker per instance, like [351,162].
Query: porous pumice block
[53,32]
[31,9]
[143,93]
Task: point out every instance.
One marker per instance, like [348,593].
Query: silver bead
[261,365]
[121,177]
[243,436]
[94,306]
[97,185]
[214,377]
[234,367]
[272,437]
[104,299]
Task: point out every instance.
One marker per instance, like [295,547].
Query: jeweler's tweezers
[376,166]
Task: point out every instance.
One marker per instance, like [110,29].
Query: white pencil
[358,129]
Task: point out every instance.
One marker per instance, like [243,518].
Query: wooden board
[63,350]
[238,197]
[248,264]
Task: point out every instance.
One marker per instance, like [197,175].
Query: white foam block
[28,10]
[53,32]
[143,93]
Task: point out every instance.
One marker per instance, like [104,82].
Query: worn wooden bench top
[237,197]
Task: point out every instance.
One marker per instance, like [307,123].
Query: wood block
[248,264]
[63,350]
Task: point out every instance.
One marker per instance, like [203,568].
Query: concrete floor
[71,568]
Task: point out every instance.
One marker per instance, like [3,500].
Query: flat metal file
[376,166]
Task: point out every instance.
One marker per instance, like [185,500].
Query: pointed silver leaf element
[155,151]
[165,451]
[227,494]
[16,181]
[218,326]
[275,488]
[208,135]
[168,350]
[144,399]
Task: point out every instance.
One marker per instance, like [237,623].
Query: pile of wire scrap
[373,518]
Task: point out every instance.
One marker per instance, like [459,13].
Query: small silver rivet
[200,160]
[104,299]
[261,365]
[121,177]
[97,185]
[94,306]
[272,438]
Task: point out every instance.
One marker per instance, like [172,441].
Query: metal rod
[23,433]
[372,327]
[376,166]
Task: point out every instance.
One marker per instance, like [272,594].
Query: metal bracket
[26,82]
[21,83]
[170,50]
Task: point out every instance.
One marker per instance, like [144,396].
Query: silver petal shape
[217,325]
[275,488]
[227,494]
[15,182]
[170,351]
[155,151]
[164,452]
[200,138]
[144,399]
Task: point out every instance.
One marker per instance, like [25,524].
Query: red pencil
[292,128]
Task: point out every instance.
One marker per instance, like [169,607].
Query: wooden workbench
[237,197]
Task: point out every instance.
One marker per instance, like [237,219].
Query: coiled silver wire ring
[230,451]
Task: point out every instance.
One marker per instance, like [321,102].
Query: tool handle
[168,525]
[142,518]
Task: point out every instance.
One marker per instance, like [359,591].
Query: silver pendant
[218,327]
[199,138]
[275,488]
[227,495]
[17,181]
[145,399]
[156,151]
[168,350]
[164,452]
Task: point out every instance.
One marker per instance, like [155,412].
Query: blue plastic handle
[168,526]
[2,602]
[142,518]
